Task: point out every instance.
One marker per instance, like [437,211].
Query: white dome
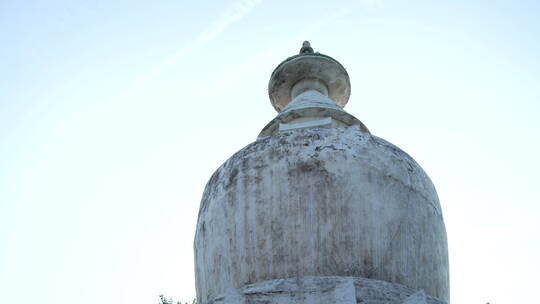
[320,202]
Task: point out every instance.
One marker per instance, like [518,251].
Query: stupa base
[325,290]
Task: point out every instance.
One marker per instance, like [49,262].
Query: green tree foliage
[164,300]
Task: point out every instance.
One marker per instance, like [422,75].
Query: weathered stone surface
[320,202]
[324,290]
[417,298]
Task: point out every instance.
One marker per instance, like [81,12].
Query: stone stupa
[318,210]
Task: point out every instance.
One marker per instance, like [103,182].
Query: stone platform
[325,290]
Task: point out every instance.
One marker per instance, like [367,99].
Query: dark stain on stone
[307,166]
[232,177]
[410,167]
[203,227]
[331,147]
[369,267]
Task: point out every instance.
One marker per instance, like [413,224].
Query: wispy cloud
[237,11]
[234,13]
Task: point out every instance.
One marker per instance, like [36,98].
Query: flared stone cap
[311,66]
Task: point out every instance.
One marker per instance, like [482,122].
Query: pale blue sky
[114,114]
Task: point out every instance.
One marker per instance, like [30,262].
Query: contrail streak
[237,11]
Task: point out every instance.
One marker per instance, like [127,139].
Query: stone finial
[306,48]
[308,71]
